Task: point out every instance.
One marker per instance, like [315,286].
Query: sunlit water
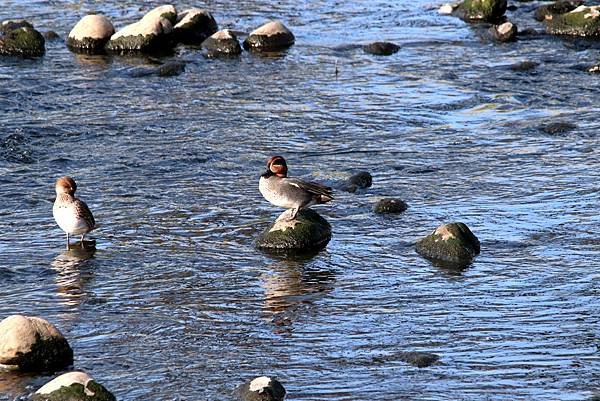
[177,304]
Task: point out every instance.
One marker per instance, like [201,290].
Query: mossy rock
[583,21]
[482,10]
[261,389]
[390,205]
[194,26]
[381,48]
[452,243]
[308,231]
[223,43]
[73,386]
[90,34]
[23,41]
[272,36]
[360,180]
[558,7]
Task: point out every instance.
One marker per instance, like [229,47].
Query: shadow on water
[73,269]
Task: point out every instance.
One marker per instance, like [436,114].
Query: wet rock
[308,231]
[171,69]
[194,26]
[360,180]
[19,38]
[90,34]
[506,32]
[582,21]
[151,33]
[390,205]
[261,389]
[452,243]
[524,66]
[381,48]
[73,386]
[558,7]
[482,10]
[51,35]
[271,36]
[448,8]
[419,359]
[558,127]
[222,43]
[33,344]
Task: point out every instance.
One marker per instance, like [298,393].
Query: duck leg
[293,214]
[67,241]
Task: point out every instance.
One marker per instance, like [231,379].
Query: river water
[177,304]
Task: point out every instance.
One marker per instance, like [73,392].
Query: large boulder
[482,10]
[33,344]
[19,38]
[73,386]
[308,231]
[261,389]
[194,26]
[151,33]
[222,43]
[453,243]
[582,21]
[558,7]
[90,34]
[272,36]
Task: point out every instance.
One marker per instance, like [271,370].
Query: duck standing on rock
[72,215]
[290,193]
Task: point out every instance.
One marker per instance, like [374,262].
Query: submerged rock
[73,386]
[360,180]
[151,33]
[523,66]
[90,34]
[261,389]
[194,26]
[381,48]
[222,43]
[33,344]
[390,205]
[19,38]
[558,7]
[558,127]
[453,243]
[168,69]
[582,21]
[271,36]
[482,10]
[506,32]
[418,359]
[308,231]
[51,35]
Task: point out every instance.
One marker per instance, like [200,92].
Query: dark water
[176,304]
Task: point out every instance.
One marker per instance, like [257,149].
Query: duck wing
[312,187]
[85,213]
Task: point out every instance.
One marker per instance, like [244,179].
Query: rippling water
[176,304]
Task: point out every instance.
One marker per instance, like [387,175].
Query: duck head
[276,165]
[65,185]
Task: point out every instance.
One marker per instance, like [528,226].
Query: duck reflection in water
[291,288]
[72,267]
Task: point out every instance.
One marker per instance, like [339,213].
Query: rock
[390,205]
[523,66]
[381,48]
[19,38]
[151,33]
[360,180]
[261,389]
[453,243]
[506,32]
[33,344]
[482,10]
[171,69]
[558,127]
[90,34]
[222,43]
[308,231]
[73,386]
[582,21]
[194,26]
[556,8]
[419,359]
[271,36]
[448,8]
[51,35]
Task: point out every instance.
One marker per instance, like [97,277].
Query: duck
[72,215]
[290,193]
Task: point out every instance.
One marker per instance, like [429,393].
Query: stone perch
[261,389]
[453,243]
[73,386]
[90,34]
[308,231]
[33,344]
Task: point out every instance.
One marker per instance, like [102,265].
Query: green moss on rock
[46,355]
[453,243]
[390,205]
[76,392]
[583,21]
[482,10]
[24,42]
[307,232]
[558,7]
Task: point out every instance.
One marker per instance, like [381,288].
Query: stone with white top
[194,26]
[90,34]
[222,43]
[453,243]
[262,388]
[272,36]
[73,386]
